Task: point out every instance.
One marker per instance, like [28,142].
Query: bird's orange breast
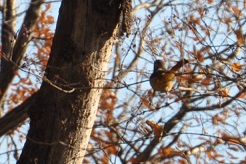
[162,82]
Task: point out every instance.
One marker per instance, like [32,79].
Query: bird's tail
[180,64]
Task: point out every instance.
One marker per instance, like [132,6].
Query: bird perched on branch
[161,80]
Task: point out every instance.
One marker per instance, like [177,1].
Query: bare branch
[18,51]
[16,116]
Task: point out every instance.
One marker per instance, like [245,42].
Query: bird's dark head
[159,65]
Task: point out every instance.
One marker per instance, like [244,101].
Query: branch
[29,23]
[8,24]
[16,116]
[217,106]
[144,156]
[18,51]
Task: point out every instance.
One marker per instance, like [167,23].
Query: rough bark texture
[61,122]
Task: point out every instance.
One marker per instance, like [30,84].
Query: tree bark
[65,109]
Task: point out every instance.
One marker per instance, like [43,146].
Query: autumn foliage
[201,120]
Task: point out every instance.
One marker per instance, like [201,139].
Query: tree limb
[18,50]
[16,116]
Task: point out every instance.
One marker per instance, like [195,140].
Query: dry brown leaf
[206,81]
[239,36]
[147,104]
[216,119]
[199,56]
[236,11]
[168,151]
[223,92]
[157,129]
[236,67]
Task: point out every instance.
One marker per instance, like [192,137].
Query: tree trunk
[65,109]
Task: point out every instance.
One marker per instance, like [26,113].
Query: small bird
[161,80]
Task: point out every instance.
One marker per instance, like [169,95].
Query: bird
[162,80]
